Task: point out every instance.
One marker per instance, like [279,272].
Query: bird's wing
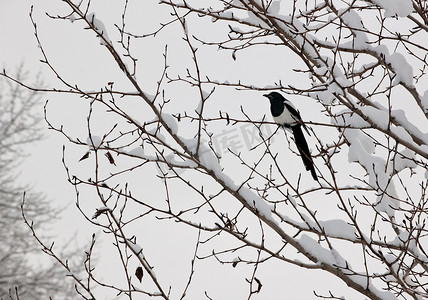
[295,113]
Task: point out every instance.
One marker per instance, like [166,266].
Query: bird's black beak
[266,95]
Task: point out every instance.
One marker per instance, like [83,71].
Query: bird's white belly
[285,118]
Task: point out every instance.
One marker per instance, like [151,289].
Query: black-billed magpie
[285,114]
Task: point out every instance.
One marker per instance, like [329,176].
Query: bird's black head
[275,97]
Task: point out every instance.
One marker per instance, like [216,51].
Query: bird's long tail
[303,148]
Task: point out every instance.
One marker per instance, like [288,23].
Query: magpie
[285,114]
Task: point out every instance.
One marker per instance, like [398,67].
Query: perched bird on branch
[285,114]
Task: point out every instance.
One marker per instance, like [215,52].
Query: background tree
[164,153]
[23,273]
